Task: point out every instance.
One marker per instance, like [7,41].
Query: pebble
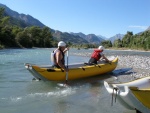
[140,65]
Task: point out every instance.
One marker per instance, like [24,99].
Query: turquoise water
[19,94]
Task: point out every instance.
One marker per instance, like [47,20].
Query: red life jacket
[96,54]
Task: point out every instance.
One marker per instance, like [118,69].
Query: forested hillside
[14,36]
[138,41]
[141,41]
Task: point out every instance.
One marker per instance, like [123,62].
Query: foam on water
[59,93]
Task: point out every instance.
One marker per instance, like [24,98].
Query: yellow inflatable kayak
[76,71]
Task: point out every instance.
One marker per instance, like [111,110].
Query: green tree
[23,39]
[3,19]
[107,43]
[47,37]
[5,39]
[127,39]
[117,43]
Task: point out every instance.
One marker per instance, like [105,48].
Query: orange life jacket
[96,54]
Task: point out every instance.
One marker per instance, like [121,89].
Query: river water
[20,94]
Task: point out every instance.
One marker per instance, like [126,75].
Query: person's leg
[92,61]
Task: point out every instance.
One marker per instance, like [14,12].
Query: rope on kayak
[114,89]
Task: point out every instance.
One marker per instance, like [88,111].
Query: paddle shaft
[67,68]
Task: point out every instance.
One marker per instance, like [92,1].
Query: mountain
[91,38]
[94,39]
[26,20]
[102,37]
[79,34]
[23,20]
[67,37]
[143,31]
[148,29]
[117,36]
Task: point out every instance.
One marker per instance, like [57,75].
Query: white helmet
[61,44]
[101,48]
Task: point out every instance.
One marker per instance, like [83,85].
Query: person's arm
[105,58]
[58,61]
[66,49]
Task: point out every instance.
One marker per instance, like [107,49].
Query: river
[20,94]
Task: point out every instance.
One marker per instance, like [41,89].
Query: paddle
[67,68]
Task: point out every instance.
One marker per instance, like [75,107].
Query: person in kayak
[59,56]
[97,55]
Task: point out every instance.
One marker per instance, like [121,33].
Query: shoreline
[115,49]
[126,49]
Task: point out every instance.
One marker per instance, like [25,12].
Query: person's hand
[67,48]
[109,62]
[66,69]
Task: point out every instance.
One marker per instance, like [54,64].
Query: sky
[99,17]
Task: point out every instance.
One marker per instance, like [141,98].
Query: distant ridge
[117,36]
[148,29]
[91,38]
[67,37]
[27,19]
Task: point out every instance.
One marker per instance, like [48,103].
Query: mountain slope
[117,36]
[94,39]
[67,37]
[91,38]
[27,20]
[148,29]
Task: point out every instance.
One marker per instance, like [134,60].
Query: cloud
[138,27]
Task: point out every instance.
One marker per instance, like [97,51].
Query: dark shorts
[56,66]
[92,61]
